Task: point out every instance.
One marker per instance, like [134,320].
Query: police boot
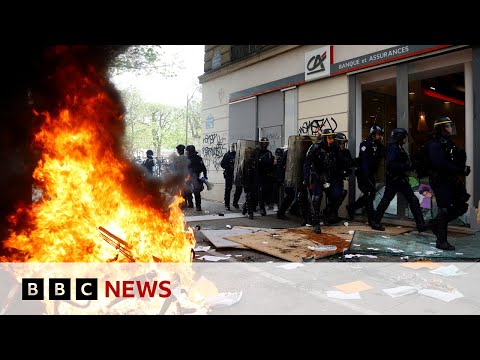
[316,202]
[244,208]
[235,200]
[378,215]
[282,210]
[350,211]
[418,216]
[441,229]
[227,200]
[369,210]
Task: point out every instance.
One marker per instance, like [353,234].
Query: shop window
[434,94]
[379,107]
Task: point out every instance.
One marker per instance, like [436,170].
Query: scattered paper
[355,286]
[349,256]
[450,270]
[373,249]
[458,253]
[421,264]
[429,252]
[351,232]
[355,244]
[344,296]
[264,242]
[400,291]
[223,300]
[238,255]
[395,250]
[276,235]
[269,262]
[202,248]
[345,223]
[385,237]
[441,295]
[228,255]
[228,226]
[322,248]
[212,258]
[290,266]
[433,243]
[417,252]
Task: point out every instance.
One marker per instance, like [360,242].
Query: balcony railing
[240,52]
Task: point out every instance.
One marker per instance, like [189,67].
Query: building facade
[250,91]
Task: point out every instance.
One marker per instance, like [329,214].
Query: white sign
[317,63]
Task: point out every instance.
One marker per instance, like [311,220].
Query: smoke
[35,80]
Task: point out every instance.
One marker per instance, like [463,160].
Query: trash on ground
[349,256]
[446,296]
[345,223]
[223,299]
[202,248]
[238,255]
[351,232]
[322,248]
[421,264]
[372,248]
[400,291]
[228,226]
[450,270]
[221,214]
[355,286]
[213,258]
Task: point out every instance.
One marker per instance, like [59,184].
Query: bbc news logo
[60,289]
[87,289]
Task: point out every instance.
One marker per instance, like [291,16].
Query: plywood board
[292,244]
[216,237]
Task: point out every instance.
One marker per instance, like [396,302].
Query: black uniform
[398,164]
[345,170]
[321,171]
[289,191]
[250,184]
[227,164]
[371,154]
[448,168]
[195,168]
[265,177]
[149,164]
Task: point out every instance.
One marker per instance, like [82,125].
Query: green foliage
[145,60]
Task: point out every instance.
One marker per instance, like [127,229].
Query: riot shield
[245,155]
[297,149]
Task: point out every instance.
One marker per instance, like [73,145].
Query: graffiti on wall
[315,127]
[213,148]
[274,136]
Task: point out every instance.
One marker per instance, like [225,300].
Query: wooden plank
[292,244]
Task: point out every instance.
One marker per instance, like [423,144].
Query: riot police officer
[345,170]
[320,172]
[264,159]
[371,154]
[228,165]
[448,167]
[195,167]
[288,190]
[398,164]
[149,162]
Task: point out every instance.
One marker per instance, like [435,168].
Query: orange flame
[87,183]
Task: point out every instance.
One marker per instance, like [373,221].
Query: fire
[87,184]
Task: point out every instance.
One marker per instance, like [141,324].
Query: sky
[170,91]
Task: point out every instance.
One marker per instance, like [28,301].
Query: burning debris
[87,185]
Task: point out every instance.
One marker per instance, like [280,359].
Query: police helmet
[149,152]
[444,127]
[341,137]
[397,135]
[376,129]
[264,143]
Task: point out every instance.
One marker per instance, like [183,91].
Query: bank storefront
[410,86]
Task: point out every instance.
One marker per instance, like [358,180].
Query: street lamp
[186,120]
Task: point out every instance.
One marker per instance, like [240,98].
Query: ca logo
[315,62]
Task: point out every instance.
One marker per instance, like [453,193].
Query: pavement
[332,285]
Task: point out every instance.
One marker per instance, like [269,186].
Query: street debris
[349,256]
[223,300]
[202,248]
[345,223]
[228,226]
[400,291]
[446,296]
[450,270]
[355,286]
[212,258]
[322,248]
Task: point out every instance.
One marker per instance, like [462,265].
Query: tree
[145,60]
[160,119]
[134,118]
